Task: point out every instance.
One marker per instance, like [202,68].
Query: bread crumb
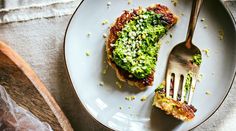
[202,19]
[167,42]
[144,98]
[174,2]
[208,93]
[101,83]
[130,98]
[130,2]
[105,69]
[89,34]
[104,22]
[206,51]
[108,4]
[87,53]
[127,98]
[104,35]
[199,78]
[119,84]
[133,97]
[221,34]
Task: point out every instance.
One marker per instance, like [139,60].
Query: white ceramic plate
[104,103]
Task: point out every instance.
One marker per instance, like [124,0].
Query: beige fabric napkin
[23,3]
[37,11]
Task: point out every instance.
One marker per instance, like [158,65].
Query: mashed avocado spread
[136,49]
[188,81]
[197,59]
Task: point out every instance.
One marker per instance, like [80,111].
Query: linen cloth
[21,3]
[36,31]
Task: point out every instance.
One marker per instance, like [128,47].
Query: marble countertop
[40,42]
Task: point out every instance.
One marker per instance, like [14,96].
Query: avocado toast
[132,45]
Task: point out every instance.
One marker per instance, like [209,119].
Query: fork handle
[196,6]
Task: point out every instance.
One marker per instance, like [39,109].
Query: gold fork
[181,69]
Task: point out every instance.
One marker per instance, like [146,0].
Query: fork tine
[176,86]
[168,82]
[192,90]
[183,88]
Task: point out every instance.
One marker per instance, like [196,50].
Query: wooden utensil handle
[196,6]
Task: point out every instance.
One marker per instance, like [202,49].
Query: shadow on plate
[163,122]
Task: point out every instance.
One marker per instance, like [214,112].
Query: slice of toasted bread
[167,17]
[178,109]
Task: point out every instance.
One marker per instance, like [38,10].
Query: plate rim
[103,125]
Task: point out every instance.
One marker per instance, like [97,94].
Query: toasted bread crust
[123,75]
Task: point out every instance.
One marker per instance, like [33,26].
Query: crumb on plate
[144,98]
[167,42]
[199,78]
[221,34]
[130,98]
[89,34]
[174,2]
[87,53]
[108,4]
[119,84]
[104,22]
[208,93]
[205,26]
[206,51]
[104,35]
[101,83]
[130,2]
[105,69]
[203,19]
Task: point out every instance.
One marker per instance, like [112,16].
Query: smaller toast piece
[167,20]
[177,109]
